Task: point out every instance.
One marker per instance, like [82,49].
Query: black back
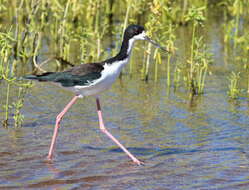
[80,75]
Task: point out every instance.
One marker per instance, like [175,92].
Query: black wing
[81,75]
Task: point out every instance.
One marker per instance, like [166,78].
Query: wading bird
[93,78]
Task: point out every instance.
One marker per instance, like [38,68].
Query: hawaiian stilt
[92,78]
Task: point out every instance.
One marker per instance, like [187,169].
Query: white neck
[131,45]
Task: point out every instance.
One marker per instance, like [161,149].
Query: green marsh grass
[233,87]
[8,64]
[39,35]
[153,25]
[158,61]
[198,61]
[171,47]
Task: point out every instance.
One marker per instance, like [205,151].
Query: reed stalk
[147,65]
[238,11]
[62,29]
[195,15]
[247,83]
[177,77]
[233,86]
[171,47]
[129,3]
[157,59]
[6,107]
[192,52]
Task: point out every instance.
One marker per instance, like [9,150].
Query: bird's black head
[134,31]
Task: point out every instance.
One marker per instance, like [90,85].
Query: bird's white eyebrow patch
[140,36]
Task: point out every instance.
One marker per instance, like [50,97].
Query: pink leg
[104,130]
[57,126]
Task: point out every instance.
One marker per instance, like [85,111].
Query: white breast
[108,77]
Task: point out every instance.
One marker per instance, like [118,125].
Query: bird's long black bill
[156,44]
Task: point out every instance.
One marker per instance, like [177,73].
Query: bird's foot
[49,157]
[140,163]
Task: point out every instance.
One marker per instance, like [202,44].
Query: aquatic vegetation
[234,90]
[171,47]
[236,40]
[158,61]
[36,36]
[246,66]
[153,25]
[6,42]
[18,117]
[8,67]
[201,60]
[177,76]
[163,31]
[198,60]
[233,27]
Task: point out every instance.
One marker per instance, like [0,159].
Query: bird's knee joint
[58,118]
[103,129]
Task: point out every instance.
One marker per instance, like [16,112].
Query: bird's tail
[43,77]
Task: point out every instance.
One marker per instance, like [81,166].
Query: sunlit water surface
[186,144]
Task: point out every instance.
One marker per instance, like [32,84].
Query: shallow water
[186,144]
